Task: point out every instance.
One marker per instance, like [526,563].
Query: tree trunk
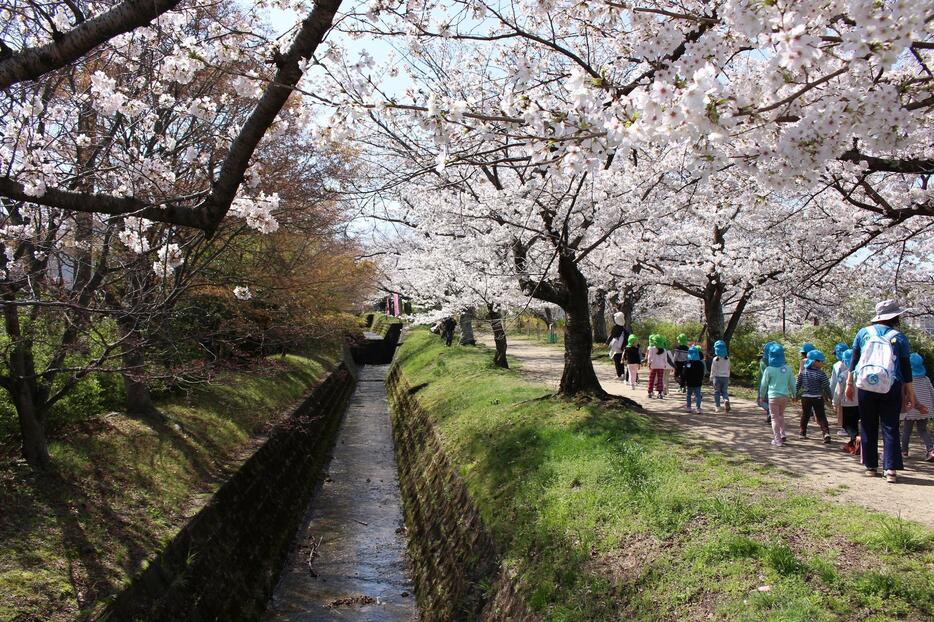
[713,313]
[32,426]
[598,316]
[467,317]
[628,306]
[138,398]
[579,376]
[499,337]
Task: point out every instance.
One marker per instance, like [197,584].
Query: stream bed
[348,562]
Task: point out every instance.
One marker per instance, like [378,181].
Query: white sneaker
[717,409]
[890,476]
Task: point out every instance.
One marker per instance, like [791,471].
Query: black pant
[815,405]
[679,369]
[448,336]
[618,362]
[851,421]
[881,410]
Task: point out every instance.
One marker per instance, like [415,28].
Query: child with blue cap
[694,371]
[777,387]
[848,405]
[924,394]
[763,363]
[720,375]
[813,386]
[835,373]
[805,348]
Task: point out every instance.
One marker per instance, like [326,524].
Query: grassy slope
[604,518]
[382,322]
[123,488]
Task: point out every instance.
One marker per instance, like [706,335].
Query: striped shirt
[813,383]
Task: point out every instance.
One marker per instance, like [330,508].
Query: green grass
[603,517]
[122,488]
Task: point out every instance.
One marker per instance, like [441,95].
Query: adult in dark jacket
[447,330]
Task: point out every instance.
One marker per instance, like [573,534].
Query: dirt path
[808,462]
[353,535]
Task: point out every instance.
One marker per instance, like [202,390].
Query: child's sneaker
[716,409]
[803,434]
[777,443]
[726,406]
[869,473]
[688,409]
[651,395]
[826,439]
[890,476]
[930,457]
[698,411]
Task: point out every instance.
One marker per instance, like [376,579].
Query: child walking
[813,385]
[680,355]
[694,371]
[763,364]
[835,374]
[924,393]
[656,360]
[720,376]
[633,358]
[848,406]
[777,387]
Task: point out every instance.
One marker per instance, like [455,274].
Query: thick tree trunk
[467,317]
[713,316]
[32,426]
[598,316]
[628,306]
[499,337]
[579,376]
[25,392]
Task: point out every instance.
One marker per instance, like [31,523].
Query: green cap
[632,340]
[683,339]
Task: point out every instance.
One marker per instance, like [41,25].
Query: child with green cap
[633,358]
[656,359]
[924,394]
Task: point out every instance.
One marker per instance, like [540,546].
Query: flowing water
[348,562]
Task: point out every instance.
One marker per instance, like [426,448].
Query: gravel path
[809,463]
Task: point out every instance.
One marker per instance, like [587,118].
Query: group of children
[685,362]
[779,385]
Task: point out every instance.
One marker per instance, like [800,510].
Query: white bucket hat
[886,310]
[619,318]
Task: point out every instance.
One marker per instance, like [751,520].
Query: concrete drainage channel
[349,558]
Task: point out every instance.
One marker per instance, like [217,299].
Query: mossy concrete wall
[224,564]
[458,574]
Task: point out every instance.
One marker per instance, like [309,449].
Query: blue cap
[807,348]
[839,349]
[694,353]
[765,351]
[776,355]
[917,365]
[719,348]
[814,355]
[848,357]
